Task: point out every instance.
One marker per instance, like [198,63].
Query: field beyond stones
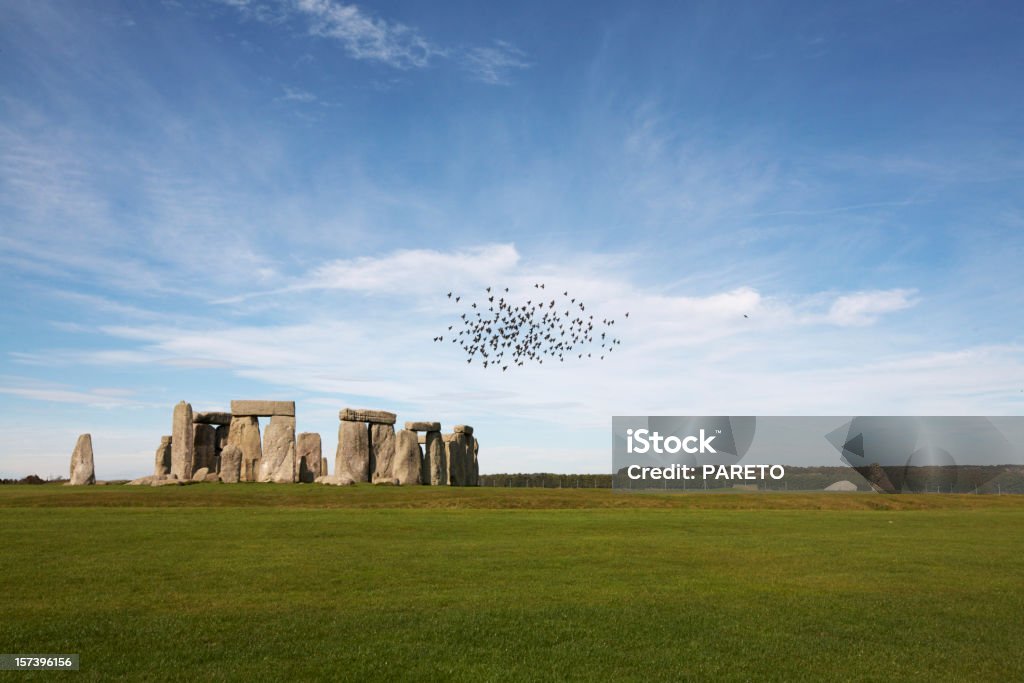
[275,582]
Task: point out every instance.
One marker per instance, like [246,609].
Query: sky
[807,208]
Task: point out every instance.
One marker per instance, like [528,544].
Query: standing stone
[83,472]
[474,472]
[245,433]
[437,461]
[455,452]
[230,464]
[407,465]
[309,455]
[278,463]
[283,419]
[182,442]
[352,459]
[323,467]
[382,451]
[162,464]
[204,446]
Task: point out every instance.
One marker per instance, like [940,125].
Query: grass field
[264,582]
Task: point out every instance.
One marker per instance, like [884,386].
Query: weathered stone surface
[212,418]
[200,474]
[323,467]
[83,472]
[262,408]
[463,429]
[423,426]
[212,477]
[230,464]
[407,464]
[169,482]
[436,460]
[309,456]
[382,451]
[283,419]
[144,481]
[162,464]
[421,437]
[334,481]
[474,462]
[385,482]
[363,415]
[278,463]
[352,459]
[455,453]
[204,447]
[245,433]
[182,441]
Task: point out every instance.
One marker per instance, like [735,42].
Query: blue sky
[263,199]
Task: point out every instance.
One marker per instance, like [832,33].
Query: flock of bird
[503,333]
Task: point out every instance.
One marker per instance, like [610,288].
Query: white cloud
[864,308]
[492,64]
[297,95]
[366,37]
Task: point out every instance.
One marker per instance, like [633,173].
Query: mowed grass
[263,582]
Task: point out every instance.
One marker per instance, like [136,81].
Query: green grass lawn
[264,582]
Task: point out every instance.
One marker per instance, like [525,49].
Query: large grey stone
[200,474]
[162,460]
[230,464]
[83,471]
[463,429]
[455,452]
[245,433]
[382,452]
[182,441]
[262,408]
[352,459]
[474,462]
[363,415]
[309,456]
[212,418]
[436,460]
[278,463]
[204,444]
[407,464]
[283,419]
[423,426]
[144,481]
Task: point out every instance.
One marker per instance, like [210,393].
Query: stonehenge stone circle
[204,447]
[372,416]
[230,464]
[278,463]
[407,464]
[436,460]
[382,451]
[83,472]
[182,441]
[262,408]
[245,433]
[216,446]
[309,456]
[212,418]
[162,464]
[352,458]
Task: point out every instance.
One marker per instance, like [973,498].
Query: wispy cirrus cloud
[366,37]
